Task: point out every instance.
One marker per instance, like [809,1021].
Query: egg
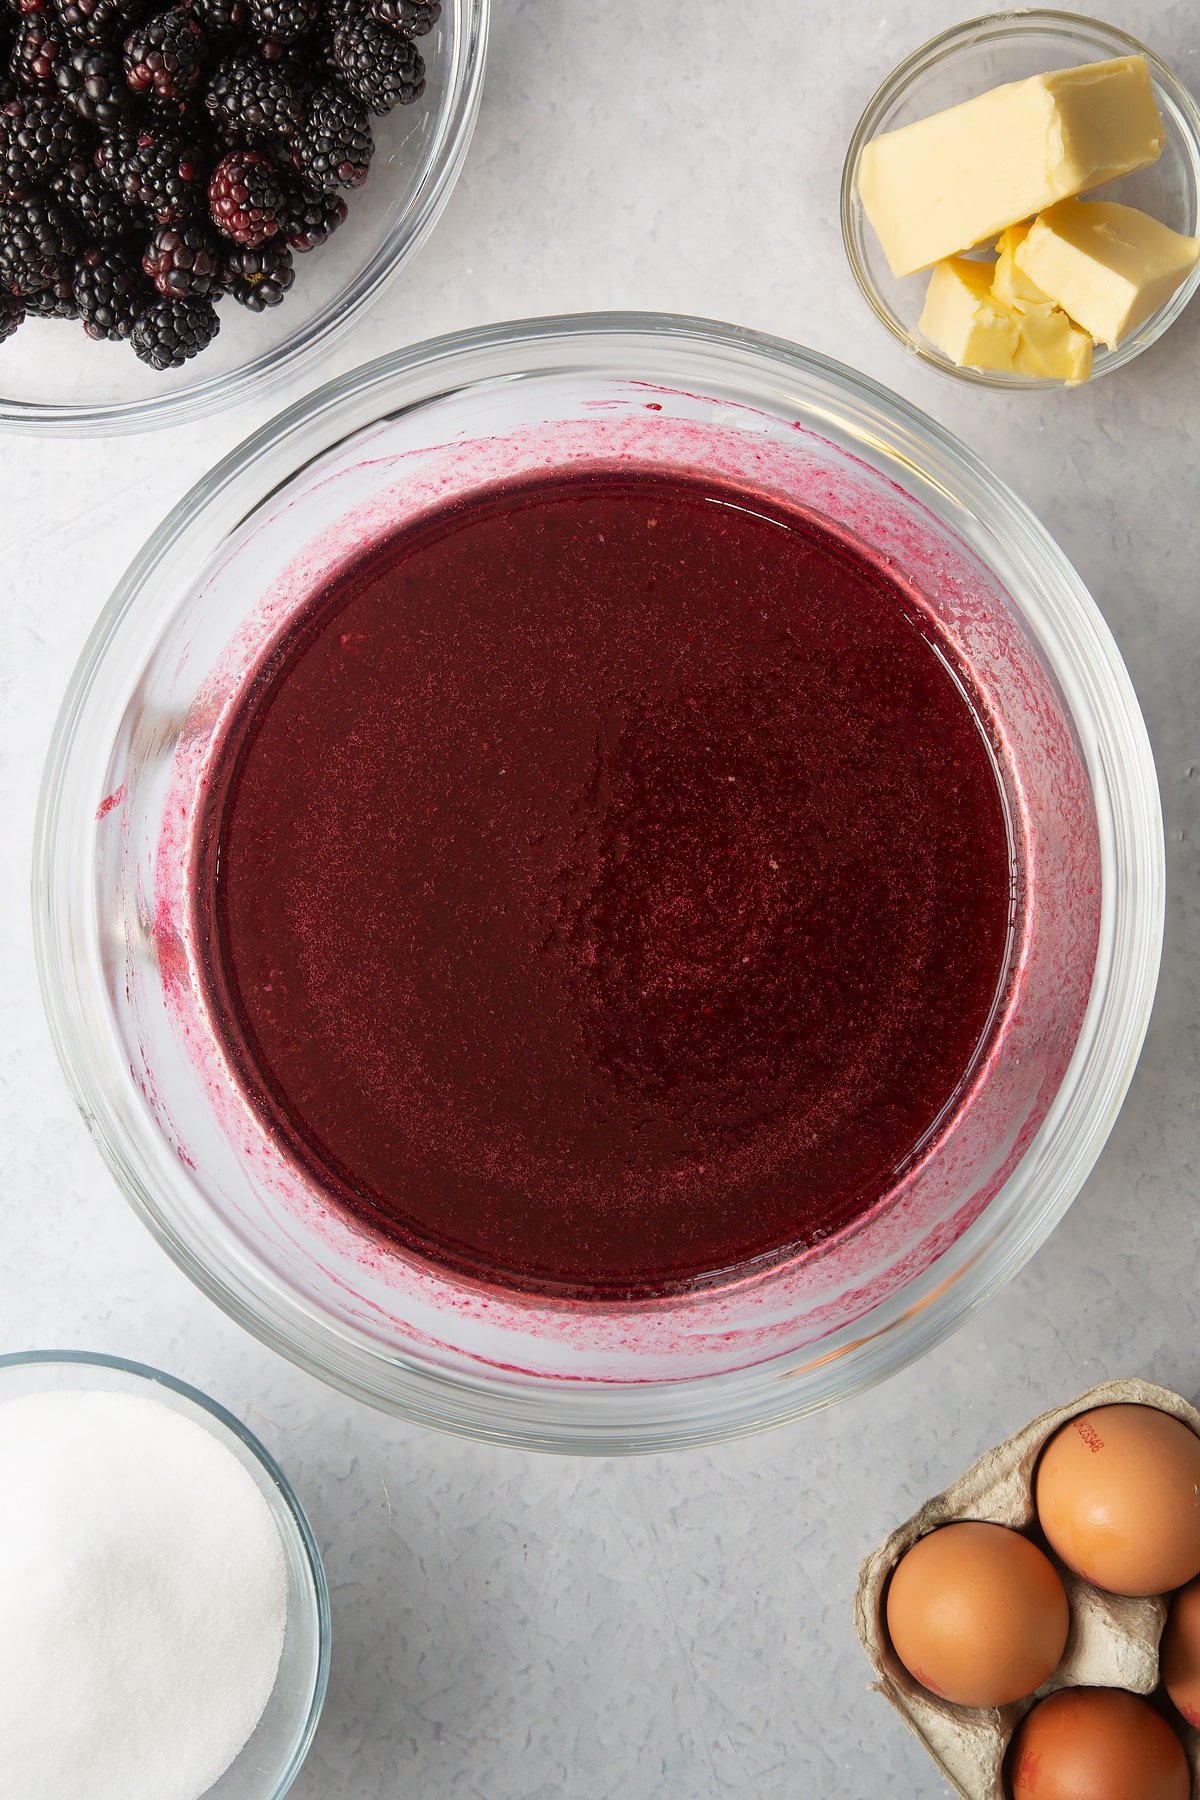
[1179,1652]
[1097,1744]
[1118,1496]
[977,1614]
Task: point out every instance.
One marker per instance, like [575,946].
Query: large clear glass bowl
[185,631]
[54,379]
[270,1760]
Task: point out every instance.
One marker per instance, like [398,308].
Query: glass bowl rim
[317,1582]
[892,88]
[598,1418]
[216,393]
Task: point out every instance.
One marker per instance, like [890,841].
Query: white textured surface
[512,1628]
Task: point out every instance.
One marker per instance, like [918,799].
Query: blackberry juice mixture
[605,883]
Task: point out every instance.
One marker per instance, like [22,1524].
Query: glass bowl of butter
[1021,200]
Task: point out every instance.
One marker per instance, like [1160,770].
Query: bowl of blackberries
[196,196]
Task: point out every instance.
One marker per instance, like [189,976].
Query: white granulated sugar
[143,1599]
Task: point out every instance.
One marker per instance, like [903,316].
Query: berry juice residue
[606,884]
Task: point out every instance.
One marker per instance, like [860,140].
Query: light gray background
[512,1627]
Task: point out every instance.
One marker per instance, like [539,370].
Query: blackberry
[97,21]
[155,170]
[12,314]
[37,236]
[334,148]
[222,21]
[246,198]
[56,301]
[252,103]
[113,161]
[38,134]
[183,118]
[413,18]
[382,69]
[311,217]
[171,331]
[184,259]
[81,188]
[282,21]
[110,291]
[38,49]
[93,81]
[261,276]
[164,55]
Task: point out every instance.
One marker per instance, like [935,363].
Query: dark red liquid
[605,884]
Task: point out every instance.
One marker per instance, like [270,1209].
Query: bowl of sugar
[166,1616]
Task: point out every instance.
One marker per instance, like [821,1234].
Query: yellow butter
[965,321]
[957,178]
[977,329]
[1049,344]
[1009,283]
[1108,266]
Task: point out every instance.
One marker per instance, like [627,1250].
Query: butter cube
[1051,345]
[965,321]
[1010,283]
[1109,266]
[977,329]
[959,177]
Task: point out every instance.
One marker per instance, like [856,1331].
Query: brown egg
[1118,1497]
[977,1614]
[1179,1653]
[1097,1744]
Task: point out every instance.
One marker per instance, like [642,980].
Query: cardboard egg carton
[1113,1641]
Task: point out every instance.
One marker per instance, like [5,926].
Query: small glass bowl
[982,54]
[271,1759]
[54,380]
